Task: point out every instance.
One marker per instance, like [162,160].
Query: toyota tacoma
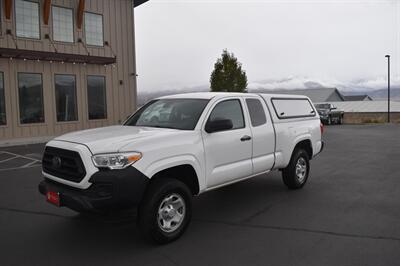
[177,147]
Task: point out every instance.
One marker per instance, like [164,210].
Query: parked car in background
[179,146]
[329,113]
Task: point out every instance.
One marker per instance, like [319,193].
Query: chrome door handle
[245,138]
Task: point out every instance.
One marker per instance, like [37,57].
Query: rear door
[228,153]
[263,155]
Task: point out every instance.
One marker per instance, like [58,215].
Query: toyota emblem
[56,162]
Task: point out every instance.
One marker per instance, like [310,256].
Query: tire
[293,178]
[166,210]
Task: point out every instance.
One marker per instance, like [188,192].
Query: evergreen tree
[228,74]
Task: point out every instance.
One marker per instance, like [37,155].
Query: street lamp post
[388,112]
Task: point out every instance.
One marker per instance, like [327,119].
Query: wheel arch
[306,145]
[184,173]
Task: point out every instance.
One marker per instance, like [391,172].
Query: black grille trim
[71,169]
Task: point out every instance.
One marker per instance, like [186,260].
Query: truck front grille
[63,164]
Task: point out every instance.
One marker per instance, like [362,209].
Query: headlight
[116,160]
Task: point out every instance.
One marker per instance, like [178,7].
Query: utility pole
[388,112]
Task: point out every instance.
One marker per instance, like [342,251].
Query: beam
[55,57]
[46,11]
[7,8]
[81,9]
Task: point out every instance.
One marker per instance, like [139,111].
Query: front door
[228,153]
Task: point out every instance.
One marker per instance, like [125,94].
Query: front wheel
[166,210]
[295,175]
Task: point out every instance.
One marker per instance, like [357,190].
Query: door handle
[245,138]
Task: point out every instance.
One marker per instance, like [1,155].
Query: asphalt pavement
[347,214]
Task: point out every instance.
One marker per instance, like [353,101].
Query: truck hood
[114,138]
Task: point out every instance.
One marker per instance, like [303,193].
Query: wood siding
[121,90]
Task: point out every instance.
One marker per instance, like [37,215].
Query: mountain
[380,94]
[375,88]
[144,97]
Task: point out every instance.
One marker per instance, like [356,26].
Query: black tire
[290,176]
[157,192]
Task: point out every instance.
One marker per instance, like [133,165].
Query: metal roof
[367,106]
[316,95]
[363,97]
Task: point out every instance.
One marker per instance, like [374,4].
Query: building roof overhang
[55,57]
[139,2]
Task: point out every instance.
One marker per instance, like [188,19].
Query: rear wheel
[166,210]
[295,175]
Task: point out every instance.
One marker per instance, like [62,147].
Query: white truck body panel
[220,158]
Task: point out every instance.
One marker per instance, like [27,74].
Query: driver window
[229,109]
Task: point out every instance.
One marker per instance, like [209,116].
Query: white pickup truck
[179,146]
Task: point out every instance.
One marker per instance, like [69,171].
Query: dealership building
[65,65]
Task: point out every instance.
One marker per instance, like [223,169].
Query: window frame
[4,96]
[76,99]
[248,110]
[221,101]
[85,32]
[73,24]
[19,105]
[39,16]
[294,99]
[105,97]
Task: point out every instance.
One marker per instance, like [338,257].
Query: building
[353,98]
[317,95]
[65,66]
[369,111]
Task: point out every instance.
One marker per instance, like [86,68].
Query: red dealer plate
[53,198]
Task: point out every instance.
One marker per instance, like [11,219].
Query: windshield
[323,106]
[169,113]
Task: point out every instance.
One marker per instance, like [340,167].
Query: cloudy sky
[280,43]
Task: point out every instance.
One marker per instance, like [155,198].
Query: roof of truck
[210,95]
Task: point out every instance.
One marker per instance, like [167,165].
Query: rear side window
[257,113]
[230,109]
[292,108]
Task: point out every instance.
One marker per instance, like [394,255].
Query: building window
[94,29]
[27,19]
[66,106]
[97,103]
[30,92]
[63,24]
[3,119]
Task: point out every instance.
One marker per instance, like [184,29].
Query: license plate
[53,198]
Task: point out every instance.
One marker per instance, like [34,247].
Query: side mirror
[218,125]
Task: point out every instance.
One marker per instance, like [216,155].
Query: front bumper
[110,190]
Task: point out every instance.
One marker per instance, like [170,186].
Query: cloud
[311,83]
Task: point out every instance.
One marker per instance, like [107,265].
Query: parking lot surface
[347,214]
